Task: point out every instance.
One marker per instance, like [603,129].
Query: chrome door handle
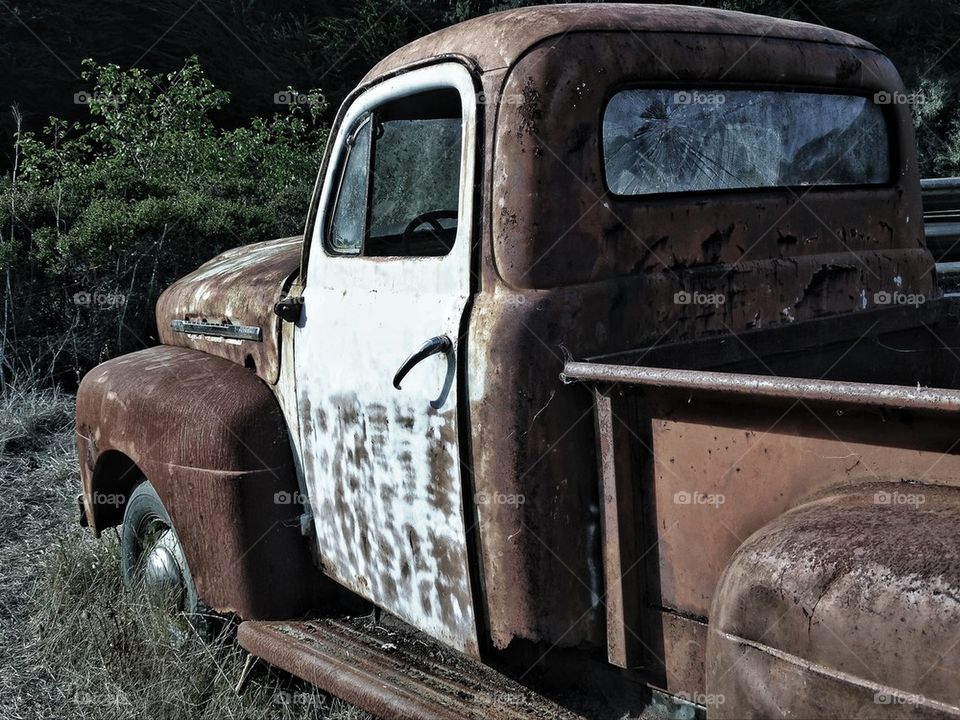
[433,346]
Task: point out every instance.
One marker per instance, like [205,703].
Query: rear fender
[846,606]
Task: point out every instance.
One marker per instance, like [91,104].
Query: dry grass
[74,645]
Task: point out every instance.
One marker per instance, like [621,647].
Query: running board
[393,672]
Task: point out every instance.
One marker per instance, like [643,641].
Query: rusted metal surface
[847,607]
[805,254]
[499,40]
[570,267]
[237,288]
[618,539]
[853,394]
[675,651]
[381,462]
[727,455]
[393,672]
[715,475]
[560,261]
[210,437]
[764,675]
[558,265]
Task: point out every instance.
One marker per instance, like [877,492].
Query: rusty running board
[393,672]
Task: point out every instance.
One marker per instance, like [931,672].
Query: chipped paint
[381,465]
[238,287]
[562,267]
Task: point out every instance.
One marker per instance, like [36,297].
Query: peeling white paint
[381,466]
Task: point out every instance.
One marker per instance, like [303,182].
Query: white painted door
[389,269]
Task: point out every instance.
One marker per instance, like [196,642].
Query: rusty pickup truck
[610,377]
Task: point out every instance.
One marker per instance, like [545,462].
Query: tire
[152,563]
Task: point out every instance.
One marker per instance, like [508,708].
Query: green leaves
[141,193]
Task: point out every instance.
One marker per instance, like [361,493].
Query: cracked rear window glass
[663,140]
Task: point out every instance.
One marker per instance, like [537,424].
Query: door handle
[433,346]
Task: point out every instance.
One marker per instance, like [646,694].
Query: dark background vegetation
[183,150]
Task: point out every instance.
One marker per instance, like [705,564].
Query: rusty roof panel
[500,39]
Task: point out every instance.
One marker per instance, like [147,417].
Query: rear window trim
[893,146]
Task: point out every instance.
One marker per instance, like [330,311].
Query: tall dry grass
[75,645]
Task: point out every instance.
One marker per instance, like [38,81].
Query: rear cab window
[674,140]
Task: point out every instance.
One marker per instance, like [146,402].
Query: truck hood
[225,307]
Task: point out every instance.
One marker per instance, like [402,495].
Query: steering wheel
[431,218]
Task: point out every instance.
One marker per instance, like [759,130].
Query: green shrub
[111,210]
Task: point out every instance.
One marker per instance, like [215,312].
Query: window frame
[441,76]
[890,120]
[349,144]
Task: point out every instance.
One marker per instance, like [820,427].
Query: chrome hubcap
[162,577]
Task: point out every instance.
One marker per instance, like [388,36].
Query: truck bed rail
[941,222]
[851,393]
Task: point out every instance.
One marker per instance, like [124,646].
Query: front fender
[211,438]
[847,606]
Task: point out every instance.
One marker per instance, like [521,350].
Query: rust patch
[210,436]
[530,110]
[849,566]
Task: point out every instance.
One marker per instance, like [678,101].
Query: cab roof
[497,40]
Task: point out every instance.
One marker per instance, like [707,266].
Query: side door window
[348,223]
[400,185]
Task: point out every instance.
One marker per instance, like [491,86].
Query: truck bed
[703,444]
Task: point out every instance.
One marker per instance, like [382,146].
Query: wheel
[152,561]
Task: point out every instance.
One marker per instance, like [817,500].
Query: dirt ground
[72,644]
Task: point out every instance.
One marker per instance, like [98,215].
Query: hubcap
[162,577]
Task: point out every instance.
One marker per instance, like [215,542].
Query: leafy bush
[99,216]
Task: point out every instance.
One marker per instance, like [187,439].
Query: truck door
[387,285]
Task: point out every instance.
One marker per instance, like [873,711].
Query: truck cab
[379,407]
